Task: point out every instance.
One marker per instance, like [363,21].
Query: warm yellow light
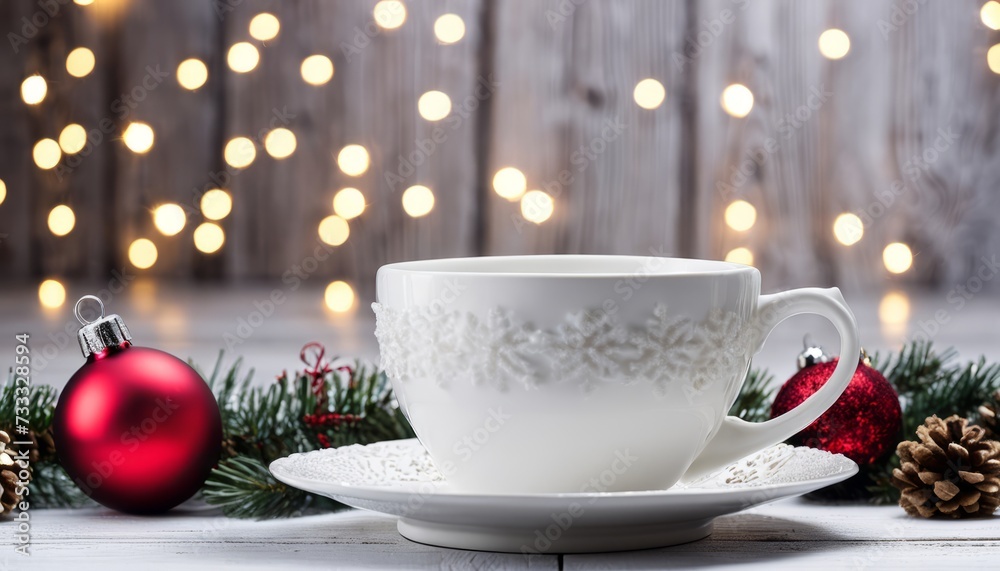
[139,137]
[740,256]
[243,57]
[3,191]
[339,296]
[33,89]
[990,14]
[740,215]
[649,93]
[239,152]
[280,143]
[80,62]
[848,229]
[264,27]
[993,58]
[209,237]
[434,105]
[317,69]
[389,14]
[353,160]
[216,204]
[192,73]
[169,219]
[46,153]
[737,100]
[51,294]
[418,200]
[73,138]
[142,253]
[61,220]
[537,206]
[510,183]
[894,309]
[834,43]
[349,203]
[84,2]
[897,257]
[334,230]
[449,28]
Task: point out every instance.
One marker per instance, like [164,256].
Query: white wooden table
[792,534]
[191,322]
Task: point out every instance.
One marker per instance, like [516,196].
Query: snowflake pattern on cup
[589,347]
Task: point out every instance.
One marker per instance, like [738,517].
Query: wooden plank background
[557,75]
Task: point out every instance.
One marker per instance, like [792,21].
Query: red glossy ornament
[137,429]
[863,424]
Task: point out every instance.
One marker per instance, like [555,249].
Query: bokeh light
[139,137]
[169,219]
[993,58]
[434,105]
[649,93]
[740,256]
[418,200]
[834,43]
[737,100]
[280,143]
[449,28]
[61,220]
[3,191]
[243,57]
[264,27]
[72,138]
[389,14]
[349,203]
[740,215]
[894,313]
[316,69]
[33,89]
[848,229]
[510,183]
[537,206]
[80,62]
[353,160]
[334,230]
[239,152]
[339,296]
[216,204]
[51,294]
[897,257]
[192,73]
[46,153]
[142,253]
[209,237]
[990,14]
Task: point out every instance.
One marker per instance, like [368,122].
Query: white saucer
[398,478]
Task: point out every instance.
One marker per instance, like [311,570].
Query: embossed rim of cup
[442,266]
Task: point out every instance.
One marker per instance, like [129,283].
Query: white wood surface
[791,534]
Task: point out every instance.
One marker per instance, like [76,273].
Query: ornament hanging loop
[79,302]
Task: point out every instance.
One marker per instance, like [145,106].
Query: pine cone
[988,417]
[8,477]
[953,471]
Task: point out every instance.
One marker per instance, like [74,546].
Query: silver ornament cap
[105,332]
[811,354]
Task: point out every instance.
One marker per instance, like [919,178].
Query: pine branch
[754,401]
[244,488]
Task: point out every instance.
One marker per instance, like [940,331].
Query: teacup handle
[737,438]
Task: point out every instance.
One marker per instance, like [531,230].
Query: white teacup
[566,373]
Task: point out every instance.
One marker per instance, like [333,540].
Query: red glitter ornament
[863,424]
[137,429]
